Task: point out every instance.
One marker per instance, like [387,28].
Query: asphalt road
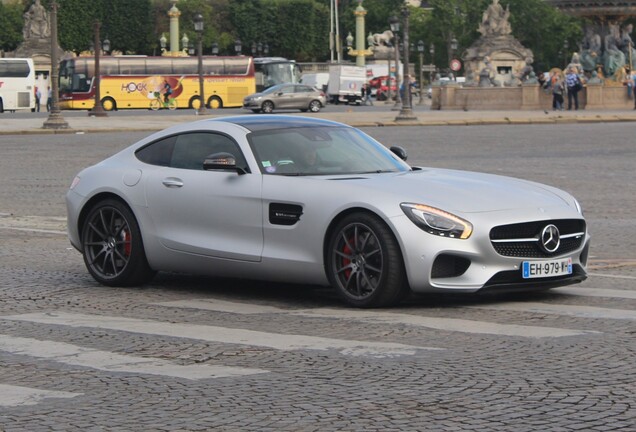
[186,353]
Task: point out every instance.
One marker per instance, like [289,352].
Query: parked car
[286,96]
[305,200]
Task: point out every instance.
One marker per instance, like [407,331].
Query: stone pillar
[360,12]
[530,96]
[174,14]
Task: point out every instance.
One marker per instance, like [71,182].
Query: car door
[212,213]
[285,97]
[303,96]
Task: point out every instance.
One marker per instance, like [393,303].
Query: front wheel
[267,107]
[215,102]
[172,104]
[155,104]
[109,104]
[364,262]
[112,246]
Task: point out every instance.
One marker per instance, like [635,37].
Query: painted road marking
[595,292]
[284,342]
[14,396]
[61,352]
[374,317]
[557,309]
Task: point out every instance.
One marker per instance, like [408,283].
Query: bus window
[160,66]
[213,66]
[132,67]
[14,69]
[237,66]
[185,66]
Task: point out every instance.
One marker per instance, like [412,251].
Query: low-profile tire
[364,262]
[315,106]
[267,107]
[112,246]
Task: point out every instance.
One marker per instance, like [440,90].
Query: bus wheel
[109,104]
[215,102]
[194,103]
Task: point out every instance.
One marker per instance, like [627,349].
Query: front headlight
[437,222]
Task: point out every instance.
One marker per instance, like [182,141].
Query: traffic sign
[455,65]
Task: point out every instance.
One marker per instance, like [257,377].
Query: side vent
[284,214]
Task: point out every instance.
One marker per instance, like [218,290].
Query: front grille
[522,239]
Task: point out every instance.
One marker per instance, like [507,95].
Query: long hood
[465,192]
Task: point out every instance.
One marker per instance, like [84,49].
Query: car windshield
[321,151]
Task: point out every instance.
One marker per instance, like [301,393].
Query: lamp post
[420,49]
[185,42]
[98,110]
[431,51]
[198,27]
[55,120]
[394,23]
[453,48]
[406,113]
[163,42]
[238,47]
[215,49]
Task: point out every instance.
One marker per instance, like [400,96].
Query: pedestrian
[49,99]
[574,85]
[366,95]
[557,94]
[38,95]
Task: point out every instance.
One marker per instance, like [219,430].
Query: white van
[318,80]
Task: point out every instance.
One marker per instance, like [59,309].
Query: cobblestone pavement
[196,354]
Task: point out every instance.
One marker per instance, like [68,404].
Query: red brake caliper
[346,261]
[127,242]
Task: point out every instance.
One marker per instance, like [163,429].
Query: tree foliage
[297,29]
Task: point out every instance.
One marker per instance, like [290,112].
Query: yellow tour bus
[138,82]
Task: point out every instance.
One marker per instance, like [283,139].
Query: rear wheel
[267,107]
[112,246]
[215,102]
[194,103]
[364,262]
[172,104]
[314,106]
[155,104]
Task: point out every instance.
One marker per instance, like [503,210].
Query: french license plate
[549,268]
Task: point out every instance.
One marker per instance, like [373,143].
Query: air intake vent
[284,214]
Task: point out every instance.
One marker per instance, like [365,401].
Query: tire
[194,103]
[112,246]
[267,107]
[1,107]
[364,262]
[155,104]
[109,104]
[314,106]
[215,102]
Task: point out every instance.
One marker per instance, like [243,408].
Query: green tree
[11,22]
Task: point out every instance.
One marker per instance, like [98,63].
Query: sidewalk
[152,122]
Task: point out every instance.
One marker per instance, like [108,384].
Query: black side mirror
[399,152]
[222,162]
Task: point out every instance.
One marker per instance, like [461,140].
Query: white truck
[345,83]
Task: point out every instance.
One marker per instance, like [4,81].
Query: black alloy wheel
[112,246]
[364,262]
[314,106]
[267,107]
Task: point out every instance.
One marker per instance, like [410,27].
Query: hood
[465,192]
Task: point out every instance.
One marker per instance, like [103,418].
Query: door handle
[172,182]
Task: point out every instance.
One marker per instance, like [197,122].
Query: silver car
[286,96]
[310,201]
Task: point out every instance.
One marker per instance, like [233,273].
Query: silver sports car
[311,201]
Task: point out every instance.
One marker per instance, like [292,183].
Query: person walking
[574,85]
[38,95]
[49,99]
[558,88]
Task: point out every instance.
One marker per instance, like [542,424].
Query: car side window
[190,150]
[303,89]
[287,90]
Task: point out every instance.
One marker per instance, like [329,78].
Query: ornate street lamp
[406,113]
[198,28]
[98,110]
[215,48]
[420,50]
[163,42]
[185,42]
[394,23]
[238,47]
[431,51]
[55,120]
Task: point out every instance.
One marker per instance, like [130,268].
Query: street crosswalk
[38,350]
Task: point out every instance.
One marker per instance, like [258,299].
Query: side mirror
[222,162]
[399,152]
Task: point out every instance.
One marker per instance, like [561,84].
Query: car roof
[265,122]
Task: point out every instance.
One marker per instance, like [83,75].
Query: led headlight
[437,222]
